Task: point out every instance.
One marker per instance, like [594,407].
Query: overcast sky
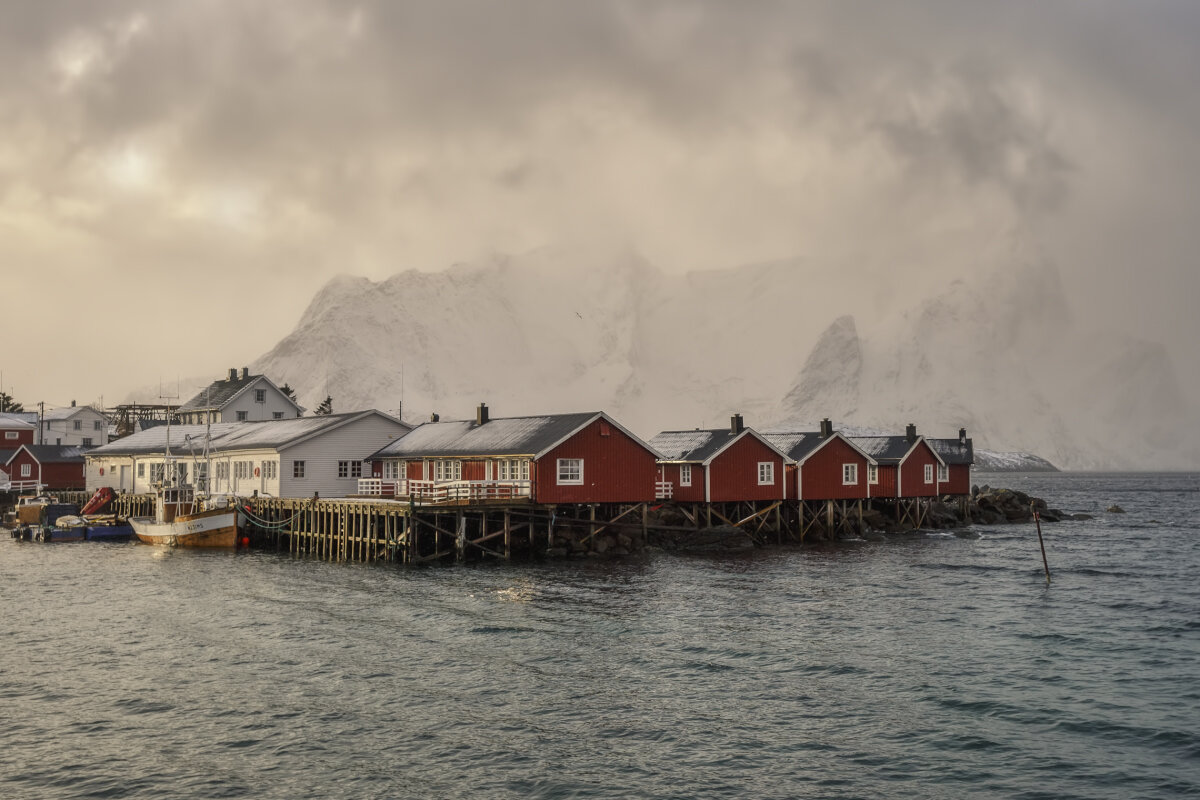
[178,178]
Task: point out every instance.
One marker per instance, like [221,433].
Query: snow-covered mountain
[559,330]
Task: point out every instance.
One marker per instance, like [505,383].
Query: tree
[7,404]
[288,392]
[325,408]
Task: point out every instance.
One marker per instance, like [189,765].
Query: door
[124,487]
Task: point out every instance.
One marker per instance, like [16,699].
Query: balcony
[434,492]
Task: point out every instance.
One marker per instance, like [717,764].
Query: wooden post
[507,537]
[1037,518]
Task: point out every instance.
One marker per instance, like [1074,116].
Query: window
[685,475]
[512,469]
[943,473]
[241,416]
[87,441]
[849,474]
[11,435]
[766,473]
[26,469]
[77,424]
[276,415]
[268,470]
[297,469]
[391,470]
[444,470]
[223,470]
[96,425]
[929,473]
[260,395]
[141,472]
[570,471]
[349,469]
[201,478]
[343,469]
[872,473]
[355,469]
[156,473]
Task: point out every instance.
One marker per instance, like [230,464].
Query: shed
[723,465]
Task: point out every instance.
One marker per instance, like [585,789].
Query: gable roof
[224,391]
[953,451]
[275,434]
[66,412]
[890,450]
[702,446]
[499,436]
[51,453]
[18,421]
[800,446]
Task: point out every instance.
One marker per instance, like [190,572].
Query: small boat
[107,528]
[184,518]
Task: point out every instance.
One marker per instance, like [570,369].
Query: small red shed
[958,456]
[907,465]
[724,465]
[48,466]
[828,466]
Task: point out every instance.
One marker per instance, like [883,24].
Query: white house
[278,458]
[76,426]
[239,398]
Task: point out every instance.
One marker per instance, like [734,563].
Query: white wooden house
[73,426]
[278,458]
[239,398]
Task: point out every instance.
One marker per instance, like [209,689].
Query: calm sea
[913,666]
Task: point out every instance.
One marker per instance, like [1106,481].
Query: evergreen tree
[7,404]
[325,408]
[288,392]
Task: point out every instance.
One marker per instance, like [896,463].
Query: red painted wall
[473,469]
[24,436]
[912,473]
[887,482]
[685,494]
[821,474]
[53,475]
[734,473]
[960,480]
[616,469]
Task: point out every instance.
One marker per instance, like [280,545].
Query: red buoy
[245,541]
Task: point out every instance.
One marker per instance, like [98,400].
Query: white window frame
[929,473]
[26,470]
[685,474]
[445,470]
[391,470]
[242,416]
[260,395]
[570,471]
[849,474]
[873,473]
[343,469]
[766,473]
[12,434]
[943,473]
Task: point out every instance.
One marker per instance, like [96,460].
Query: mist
[177,180]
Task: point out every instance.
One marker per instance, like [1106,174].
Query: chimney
[232,374]
[910,432]
[72,404]
[434,417]
[962,435]
[735,424]
[826,428]
[481,414]
[245,373]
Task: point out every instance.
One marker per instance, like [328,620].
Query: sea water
[919,665]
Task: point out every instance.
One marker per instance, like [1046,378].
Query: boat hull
[206,529]
[103,533]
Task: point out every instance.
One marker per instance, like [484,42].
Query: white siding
[352,442]
[62,431]
[256,412]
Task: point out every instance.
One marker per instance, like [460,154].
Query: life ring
[102,470]
[255,472]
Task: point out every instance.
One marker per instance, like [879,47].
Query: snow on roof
[796,445]
[883,448]
[221,392]
[953,451]
[227,436]
[502,436]
[66,412]
[697,445]
[16,421]
[53,453]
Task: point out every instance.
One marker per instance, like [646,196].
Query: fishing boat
[185,518]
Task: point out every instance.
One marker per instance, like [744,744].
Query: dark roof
[5,455]
[499,436]
[220,392]
[889,450]
[53,453]
[798,446]
[699,446]
[230,436]
[953,451]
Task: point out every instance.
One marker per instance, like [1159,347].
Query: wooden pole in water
[1037,518]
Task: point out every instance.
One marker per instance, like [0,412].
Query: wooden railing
[664,490]
[447,491]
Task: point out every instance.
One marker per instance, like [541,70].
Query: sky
[177,179]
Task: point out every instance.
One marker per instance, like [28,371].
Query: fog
[178,179]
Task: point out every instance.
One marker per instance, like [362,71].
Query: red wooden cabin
[958,455]
[550,459]
[907,465]
[47,466]
[725,465]
[828,466]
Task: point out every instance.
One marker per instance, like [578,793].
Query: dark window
[260,395]
[241,416]
[297,469]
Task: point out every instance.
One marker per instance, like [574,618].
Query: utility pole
[41,420]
